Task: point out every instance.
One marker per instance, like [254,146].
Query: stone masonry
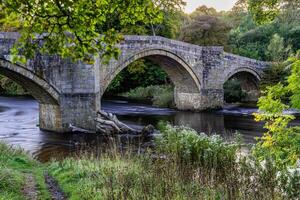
[70,93]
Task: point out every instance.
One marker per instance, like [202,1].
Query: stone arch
[178,70]
[249,80]
[243,70]
[39,88]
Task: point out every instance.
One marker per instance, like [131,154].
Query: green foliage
[160,95]
[293,81]
[264,11]
[141,73]
[233,91]
[8,87]
[274,74]
[11,183]
[276,49]
[186,165]
[281,142]
[15,166]
[8,21]
[61,23]
[249,39]
[204,10]
[200,149]
[205,30]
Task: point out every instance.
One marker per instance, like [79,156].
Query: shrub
[160,95]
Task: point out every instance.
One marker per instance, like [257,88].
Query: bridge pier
[50,118]
[79,110]
[204,100]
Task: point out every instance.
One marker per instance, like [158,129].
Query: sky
[218,4]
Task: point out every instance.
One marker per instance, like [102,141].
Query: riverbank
[21,177]
[184,165]
[159,95]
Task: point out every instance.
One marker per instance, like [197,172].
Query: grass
[126,177]
[160,95]
[183,165]
[15,165]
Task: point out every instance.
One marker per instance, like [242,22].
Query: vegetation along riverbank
[184,165]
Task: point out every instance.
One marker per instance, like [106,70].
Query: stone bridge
[70,93]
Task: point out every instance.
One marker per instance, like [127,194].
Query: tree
[77,29]
[204,10]
[281,142]
[205,30]
[276,49]
[268,10]
[264,11]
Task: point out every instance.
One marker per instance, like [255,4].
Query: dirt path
[30,190]
[55,191]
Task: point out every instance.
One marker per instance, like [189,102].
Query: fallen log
[77,129]
[108,123]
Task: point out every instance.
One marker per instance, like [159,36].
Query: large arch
[186,82]
[41,90]
[174,65]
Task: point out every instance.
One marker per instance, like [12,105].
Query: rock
[148,131]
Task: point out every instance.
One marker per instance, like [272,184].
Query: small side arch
[249,82]
[39,88]
[178,70]
[243,70]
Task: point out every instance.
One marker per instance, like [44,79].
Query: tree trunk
[108,124]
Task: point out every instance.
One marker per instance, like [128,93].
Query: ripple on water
[19,119]
[3,109]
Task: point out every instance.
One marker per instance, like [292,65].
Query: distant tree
[268,10]
[205,30]
[264,11]
[276,49]
[204,10]
[170,25]
[241,6]
[238,13]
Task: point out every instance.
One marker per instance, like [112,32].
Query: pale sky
[217,4]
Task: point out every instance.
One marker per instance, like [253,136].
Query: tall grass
[184,165]
[160,95]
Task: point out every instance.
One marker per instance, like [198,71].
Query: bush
[160,95]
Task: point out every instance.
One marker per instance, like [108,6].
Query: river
[19,125]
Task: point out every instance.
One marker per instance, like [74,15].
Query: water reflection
[19,125]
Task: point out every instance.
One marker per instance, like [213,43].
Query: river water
[19,125]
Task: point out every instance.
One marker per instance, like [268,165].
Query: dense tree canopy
[90,26]
[205,27]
